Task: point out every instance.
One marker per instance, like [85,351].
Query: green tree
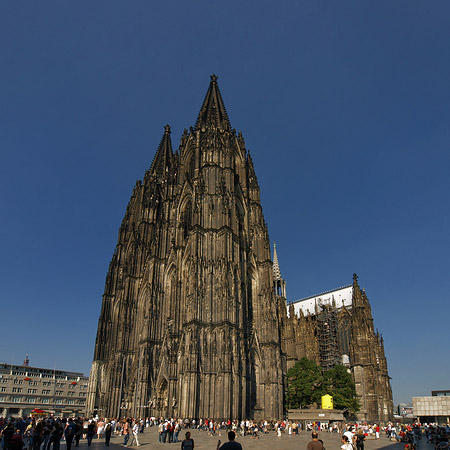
[304,384]
[339,384]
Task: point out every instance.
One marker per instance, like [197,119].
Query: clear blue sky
[345,107]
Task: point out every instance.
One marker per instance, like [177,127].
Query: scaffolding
[329,349]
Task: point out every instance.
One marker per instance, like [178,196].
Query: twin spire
[213,110]
[212,113]
[163,158]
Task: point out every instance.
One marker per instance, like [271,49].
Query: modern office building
[24,388]
[435,408]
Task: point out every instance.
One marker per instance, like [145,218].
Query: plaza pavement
[202,440]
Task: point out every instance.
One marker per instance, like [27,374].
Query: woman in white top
[345,444]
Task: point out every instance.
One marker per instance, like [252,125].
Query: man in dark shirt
[315,444]
[231,444]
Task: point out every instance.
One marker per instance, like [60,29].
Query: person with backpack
[359,440]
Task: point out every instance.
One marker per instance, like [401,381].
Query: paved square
[203,441]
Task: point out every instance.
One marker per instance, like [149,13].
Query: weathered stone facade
[189,325]
[194,320]
[334,334]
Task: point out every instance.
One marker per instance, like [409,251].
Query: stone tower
[368,361]
[189,324]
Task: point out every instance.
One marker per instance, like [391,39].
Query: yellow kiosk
[327,401]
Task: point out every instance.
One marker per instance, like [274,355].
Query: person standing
[176,431]
[78,432]
[56,435]
[90,432]
[188,443]
[359,440]
[37,435]
[126,431]
[346,445]
[108,431]
[69,433]
[231,444]
[315,444]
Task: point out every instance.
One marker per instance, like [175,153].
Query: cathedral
[194,319]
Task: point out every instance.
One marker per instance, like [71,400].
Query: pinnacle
[276,266]
[163,157]
[213,112]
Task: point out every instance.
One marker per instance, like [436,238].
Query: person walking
[135,433]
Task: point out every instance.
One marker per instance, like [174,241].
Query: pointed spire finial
[164,154]
[276,265]
[213,112]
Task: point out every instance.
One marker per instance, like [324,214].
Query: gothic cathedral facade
[189,325]
[194,320]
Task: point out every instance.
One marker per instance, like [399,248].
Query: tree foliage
[306,384]
[339,384]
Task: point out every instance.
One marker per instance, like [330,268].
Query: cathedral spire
[276,265]
[163,158]
[279,283]
[213,110]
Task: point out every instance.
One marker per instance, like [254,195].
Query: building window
[16,381]
[16,399]
[17,389]
[31,400]
[32,391]
[45,391]
[45,400]
[46,383]
[70,402]
[59,393]
[3,389]
[2,398]
[58,401]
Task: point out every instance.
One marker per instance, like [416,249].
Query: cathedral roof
[213,110]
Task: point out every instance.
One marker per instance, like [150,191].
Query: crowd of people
[46,433]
